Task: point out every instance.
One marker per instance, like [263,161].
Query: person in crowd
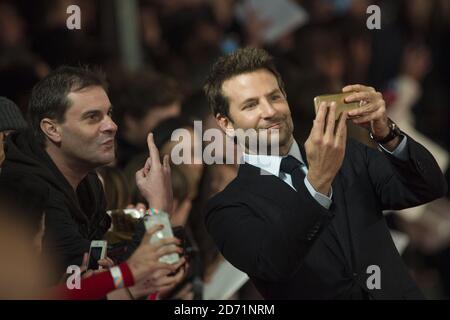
[71,134]
[24,270]
[143,101]
[27,218]
[309,217]
[116,188]
[10,120]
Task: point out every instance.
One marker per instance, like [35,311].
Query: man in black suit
[308,224]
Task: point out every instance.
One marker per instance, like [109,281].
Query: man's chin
[107,159]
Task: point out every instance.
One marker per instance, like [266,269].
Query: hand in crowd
[106,263]
[138,206]
[154,181]
[325,147]
[145,266]
[185,293]
[157,283]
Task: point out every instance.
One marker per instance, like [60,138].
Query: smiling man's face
[256,102]
[88,132]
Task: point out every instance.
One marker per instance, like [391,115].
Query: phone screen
[94,256]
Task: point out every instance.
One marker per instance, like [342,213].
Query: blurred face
[3,135]
[87,136]
[2,148]
[23,271]
[158,115]
[192,171]
[136,130]
[256,102]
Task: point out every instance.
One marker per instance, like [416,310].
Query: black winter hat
[10,116]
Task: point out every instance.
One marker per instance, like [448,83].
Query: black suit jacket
[293,248]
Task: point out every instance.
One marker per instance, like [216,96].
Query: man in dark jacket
[307,223]
[71,134]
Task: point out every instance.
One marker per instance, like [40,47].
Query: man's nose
[109,126]
[268,110]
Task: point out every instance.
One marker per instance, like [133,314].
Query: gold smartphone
[341,105]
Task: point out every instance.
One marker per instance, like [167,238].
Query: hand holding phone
[97,252]
[341,105]
[161,218]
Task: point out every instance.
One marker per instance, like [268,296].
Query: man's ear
[225,124]
[51,129]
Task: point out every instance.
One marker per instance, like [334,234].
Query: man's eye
[250,105]
[276,97]
[94,117]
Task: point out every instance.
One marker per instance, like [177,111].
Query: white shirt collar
[271,163]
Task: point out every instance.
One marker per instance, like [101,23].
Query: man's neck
[282,150]
[73,173]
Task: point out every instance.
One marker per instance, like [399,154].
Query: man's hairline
[226,98]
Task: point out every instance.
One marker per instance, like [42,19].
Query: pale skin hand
[186,293]
[325,147]
[159,282]
[149,274]
[144,288]
[154,181]
[371,115]
[106,263]
[144,262]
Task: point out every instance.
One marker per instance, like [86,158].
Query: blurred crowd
[407,59]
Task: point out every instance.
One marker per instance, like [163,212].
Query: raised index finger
[153,150]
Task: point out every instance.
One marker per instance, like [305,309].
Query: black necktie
[292,166]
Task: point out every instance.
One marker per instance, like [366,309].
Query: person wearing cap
[10,120]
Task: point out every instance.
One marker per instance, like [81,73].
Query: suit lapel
[268,186]
[285,197]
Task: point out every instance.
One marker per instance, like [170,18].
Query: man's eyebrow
[277,90]
[249,100]
[95,111]
[90,112]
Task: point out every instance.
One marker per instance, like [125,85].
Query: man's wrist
[322,186]
[130,294]
[387,136]
[157,205]
[393,144]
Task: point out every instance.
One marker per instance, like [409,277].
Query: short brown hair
[241,61]
[49,96]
